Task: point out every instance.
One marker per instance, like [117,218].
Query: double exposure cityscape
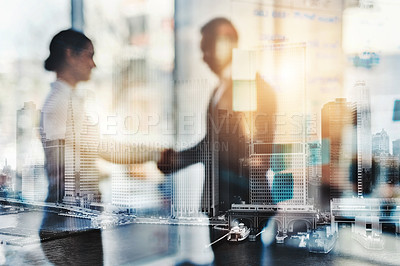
[231,132]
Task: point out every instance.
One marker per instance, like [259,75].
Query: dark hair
[211,28]
[66,39]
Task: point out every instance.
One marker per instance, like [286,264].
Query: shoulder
[57,99]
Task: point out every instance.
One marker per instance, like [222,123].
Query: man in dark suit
[223,149]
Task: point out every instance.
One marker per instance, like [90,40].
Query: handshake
[168,161]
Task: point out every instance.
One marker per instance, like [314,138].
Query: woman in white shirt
[65,119]
[71,143]
[65,129]
[66,116]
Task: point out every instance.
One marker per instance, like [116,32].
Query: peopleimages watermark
[114,146]
[195,123]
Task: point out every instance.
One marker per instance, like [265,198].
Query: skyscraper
[339,146]
[364,142]
[380,143]
[196,189]
[27,123]
[137,102]
[34,182]
[396,147]
[55,165]
[278,161]
[81,153]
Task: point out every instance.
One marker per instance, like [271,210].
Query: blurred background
[332,65]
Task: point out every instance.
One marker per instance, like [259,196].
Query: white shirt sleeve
[54,112]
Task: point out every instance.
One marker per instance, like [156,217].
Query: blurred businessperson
[71,142]
[63,115]
[221,150]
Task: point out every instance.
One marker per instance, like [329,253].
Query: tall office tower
[396,147]
[339,146]
[215,197]
[364,141]
[34,184]
[314,171]
[196,189]
[278,161]
[27,120]
[142,116]
[55,165]
[380,142]
[229,173]
[81,153]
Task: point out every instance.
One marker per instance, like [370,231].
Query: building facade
[136,103]
[338,150]
[81,153]
[396,147]
[34,182]
[364,141]
[55,168]
[380,142]
[28,118]
[314,172]
[278,166]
